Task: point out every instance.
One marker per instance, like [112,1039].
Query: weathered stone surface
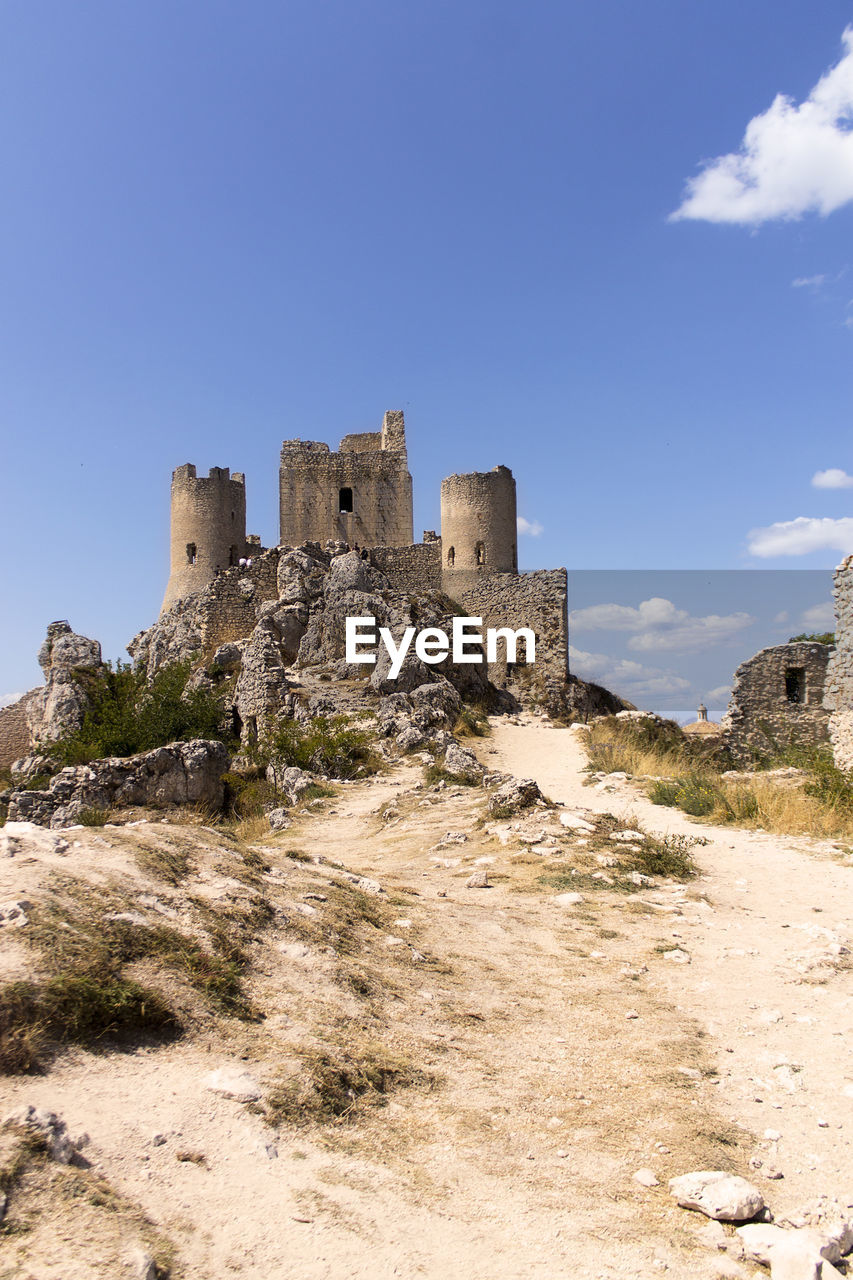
[723,1196]
[462,763]
[66,659]
[181,773]
[289,782]
[279,819]
[513,796]
[790,1254]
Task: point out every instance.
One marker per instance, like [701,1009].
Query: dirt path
[565,1051]
[769,977]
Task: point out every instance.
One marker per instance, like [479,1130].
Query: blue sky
[226,225]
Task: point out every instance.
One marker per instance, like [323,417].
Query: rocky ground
[476,1030]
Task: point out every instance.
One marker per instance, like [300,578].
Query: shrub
[126,715]
[327,745]
[94,817]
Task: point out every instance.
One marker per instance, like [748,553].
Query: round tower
[478,525]
[208,528]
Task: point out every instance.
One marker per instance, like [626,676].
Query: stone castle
[361,497]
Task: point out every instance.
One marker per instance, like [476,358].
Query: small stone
[231,1082]
[772,1135]
[141,1265]
[632,1013]
[479,880]
[677,956]
[158,1140]
[568,899]
[723,1196]
[646,1178]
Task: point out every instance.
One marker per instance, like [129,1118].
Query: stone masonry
[778,701]
[839,676]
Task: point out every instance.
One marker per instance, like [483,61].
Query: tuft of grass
[436,772]
[94,817]
[335,1085]
[472,722]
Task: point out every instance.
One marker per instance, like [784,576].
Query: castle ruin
[361,497]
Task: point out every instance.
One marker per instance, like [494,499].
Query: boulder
[723,1196]
[513,796]
[289,782]
[462,763]
[49,1128]
[181,773]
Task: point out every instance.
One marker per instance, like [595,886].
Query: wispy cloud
[657,624]
[821,617]
[529,528]
[631,679]
[832,478]
[801,536]
[722,693]
[809,282]
[794,159]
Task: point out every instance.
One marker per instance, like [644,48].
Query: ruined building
[779,700]
[361,496]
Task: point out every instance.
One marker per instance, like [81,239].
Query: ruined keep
[361,495]
[208,528]
[479,532]
[778,700]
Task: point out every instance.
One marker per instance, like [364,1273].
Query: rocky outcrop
[181,773]
[67,659]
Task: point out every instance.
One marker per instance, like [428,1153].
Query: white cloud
[722,693]
[6,699]
[657,624]
[782,617]
[809,282]
[821,617]
[631,679]
[793,159]
[833,478]
[530,527]
[799,537]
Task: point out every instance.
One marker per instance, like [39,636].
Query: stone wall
[15,737]
[416,568]
[778,700]
[536,600]
[369,475]
[226,609]
[839,677]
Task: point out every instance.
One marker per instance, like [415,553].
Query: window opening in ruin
[795,684]
[232,556]
[481,553]
[345,500]
[252,730]
[191,553]
[451,556]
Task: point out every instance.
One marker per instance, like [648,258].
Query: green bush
[327,745]
[127,716]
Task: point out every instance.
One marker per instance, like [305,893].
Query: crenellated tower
[208,528]
[478,526]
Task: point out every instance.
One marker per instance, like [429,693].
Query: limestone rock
[181,773]
[513,796]
[462,763]
[646,1178]
[279,819]
[568,899]
[723,1196]
[66,659]
[290,782]
[479,880]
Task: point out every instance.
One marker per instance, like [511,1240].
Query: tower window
[191,553]
[481,552]
[451,557]
[795,684]
[345,500]
[232,556]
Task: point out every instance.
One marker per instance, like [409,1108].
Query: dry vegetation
[689,774]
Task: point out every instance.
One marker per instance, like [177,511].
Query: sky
[606,245]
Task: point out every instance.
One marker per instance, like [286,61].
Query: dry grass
[337,1084]
[683,774]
